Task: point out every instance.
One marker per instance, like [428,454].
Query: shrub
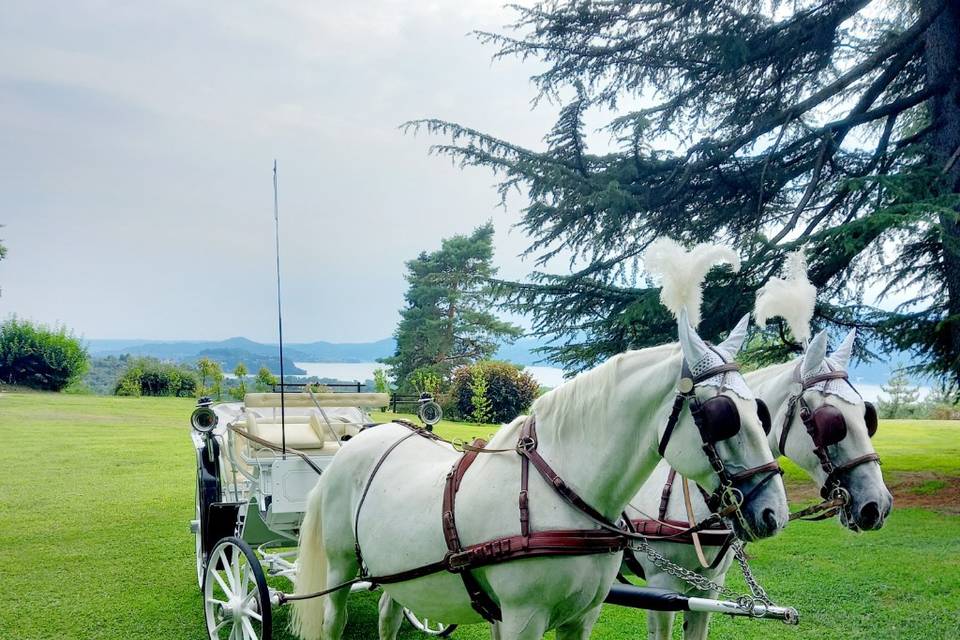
[39,357]
[944,411]
[264,380]
[508,390]
[482,408]
[150,377]
[425,380]
[381,383]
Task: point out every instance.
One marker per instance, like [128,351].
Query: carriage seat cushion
[341,426]
[299,435]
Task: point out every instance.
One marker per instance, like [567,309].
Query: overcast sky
[137,147]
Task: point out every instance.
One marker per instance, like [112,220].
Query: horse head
[826,428]
[721,442]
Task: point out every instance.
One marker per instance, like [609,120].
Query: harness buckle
[526,443]
[459,561]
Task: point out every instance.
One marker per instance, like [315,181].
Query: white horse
[869,500]
[599,431]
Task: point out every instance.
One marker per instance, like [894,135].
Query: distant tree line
[902,399]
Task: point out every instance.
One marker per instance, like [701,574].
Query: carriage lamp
[203,419]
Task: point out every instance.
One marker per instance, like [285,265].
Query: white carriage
[256,463]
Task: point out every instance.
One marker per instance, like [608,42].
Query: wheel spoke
[253,614]
[227,570]
[248,631]
[239,568]
[223,623]
[223,585]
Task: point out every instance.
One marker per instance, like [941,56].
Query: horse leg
[695,624]
[579,629]
[521,624]
[335,612]
[660,625]
[391,617]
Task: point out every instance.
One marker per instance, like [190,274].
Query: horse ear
[814,355]
[737,336]
[692,345]
[841,356]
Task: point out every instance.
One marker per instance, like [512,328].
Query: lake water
[546,376]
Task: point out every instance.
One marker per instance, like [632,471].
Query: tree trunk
[943,67]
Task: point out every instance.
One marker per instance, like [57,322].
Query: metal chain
[755,588]
[746,602]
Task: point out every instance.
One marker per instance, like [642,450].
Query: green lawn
[96,495]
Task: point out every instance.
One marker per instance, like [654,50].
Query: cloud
[138,142]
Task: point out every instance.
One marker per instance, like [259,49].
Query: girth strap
[455,559]
[665,494]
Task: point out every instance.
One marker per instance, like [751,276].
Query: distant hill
[233,350]
[182,350]
[229,358]
[341,351]
[521,352]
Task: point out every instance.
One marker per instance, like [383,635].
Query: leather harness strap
[479,599]
[536,544]
[528,449]
[665,494]
[717,535]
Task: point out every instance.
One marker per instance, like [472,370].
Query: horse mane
[575,407]
[765,374]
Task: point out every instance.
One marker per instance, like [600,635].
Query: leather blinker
[763,412]
[871,418]
[720,419]
[829,426]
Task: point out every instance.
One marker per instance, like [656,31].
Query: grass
[96,495]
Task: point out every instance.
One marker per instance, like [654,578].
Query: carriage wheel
[236,600]
[427,626]
[430,412]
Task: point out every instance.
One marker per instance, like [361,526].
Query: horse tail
[307,619]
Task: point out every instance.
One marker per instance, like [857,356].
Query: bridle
[826,427]
[717,419]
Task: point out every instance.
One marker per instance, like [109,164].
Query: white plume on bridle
[682,272]
[791,297]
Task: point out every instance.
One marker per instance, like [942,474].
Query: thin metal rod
[276,229]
